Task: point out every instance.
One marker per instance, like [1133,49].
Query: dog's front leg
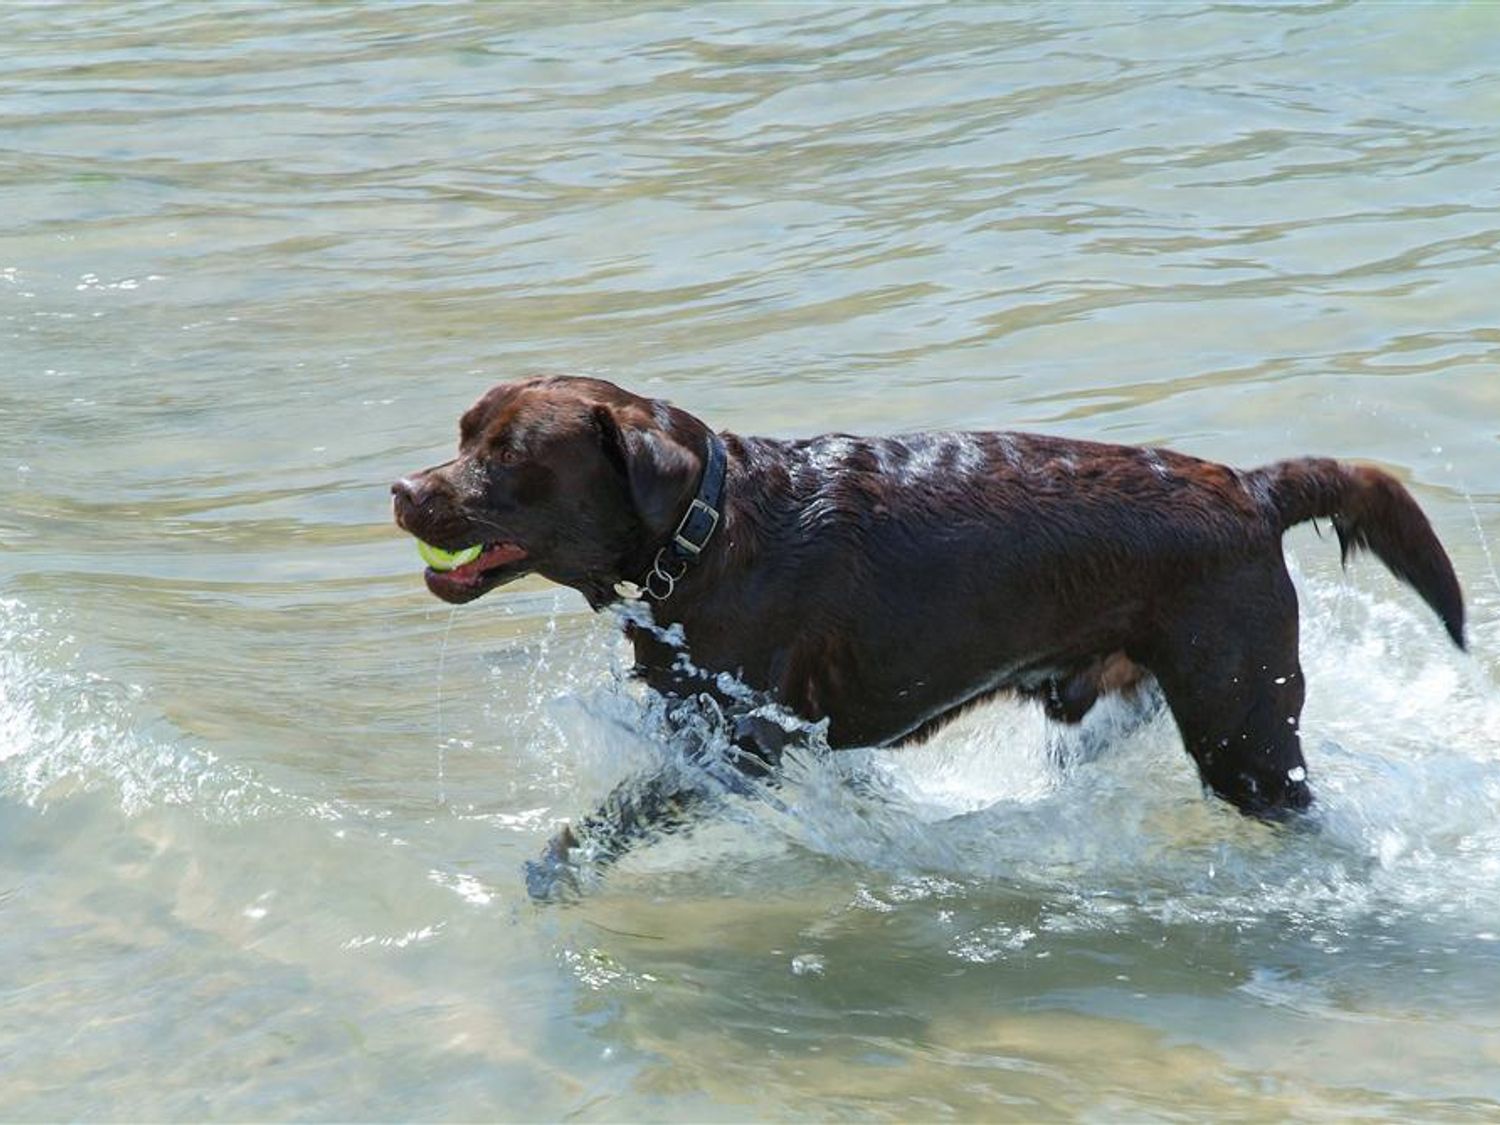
[637,810]
[646,807]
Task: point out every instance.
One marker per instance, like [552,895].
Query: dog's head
[573,479]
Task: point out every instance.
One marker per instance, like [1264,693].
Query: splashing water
[1484,540]
[1002,840]
[442,740]
[1402,736]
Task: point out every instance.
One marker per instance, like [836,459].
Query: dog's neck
[672,560]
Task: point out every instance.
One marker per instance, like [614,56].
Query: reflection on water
[263,802]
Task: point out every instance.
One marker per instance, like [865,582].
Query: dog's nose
[408,496]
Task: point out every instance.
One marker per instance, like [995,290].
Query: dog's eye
[507,456]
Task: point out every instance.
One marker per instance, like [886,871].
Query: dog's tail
[1369,509]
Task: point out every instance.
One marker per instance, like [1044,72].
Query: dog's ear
[660,471]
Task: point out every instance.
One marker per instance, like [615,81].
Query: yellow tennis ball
[439,559]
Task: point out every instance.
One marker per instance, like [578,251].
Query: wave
[65,730]
[1402,736]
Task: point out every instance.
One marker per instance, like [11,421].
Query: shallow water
[263,802]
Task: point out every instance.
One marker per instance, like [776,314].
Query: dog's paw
[553,877]
[549,881]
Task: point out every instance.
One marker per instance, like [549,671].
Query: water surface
[263,801]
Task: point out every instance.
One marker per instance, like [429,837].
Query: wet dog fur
[884,584]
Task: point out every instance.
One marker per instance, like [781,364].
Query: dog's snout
[409,490]
[409,496]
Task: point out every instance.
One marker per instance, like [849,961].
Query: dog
[881,585]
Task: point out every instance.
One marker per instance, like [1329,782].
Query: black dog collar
[694,530]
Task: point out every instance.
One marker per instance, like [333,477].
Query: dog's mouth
[462,576]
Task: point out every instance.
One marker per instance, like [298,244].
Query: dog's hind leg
[1227,663]
[1070,696]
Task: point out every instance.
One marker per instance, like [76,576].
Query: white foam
[1402,736]
[65,729]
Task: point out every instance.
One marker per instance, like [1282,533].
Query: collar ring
[661,581]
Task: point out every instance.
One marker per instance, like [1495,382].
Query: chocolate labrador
[884,584]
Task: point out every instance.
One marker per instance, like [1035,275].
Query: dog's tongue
[489,558]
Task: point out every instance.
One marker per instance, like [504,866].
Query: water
[259,859]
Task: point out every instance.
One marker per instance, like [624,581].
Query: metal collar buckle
[680,537]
